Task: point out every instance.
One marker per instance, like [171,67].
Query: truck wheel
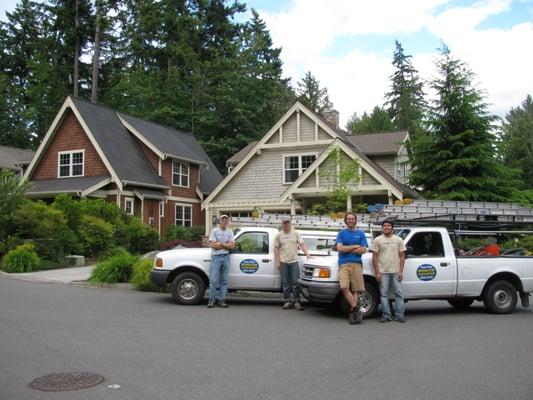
[370,301]
[460,304]
[188,288]
[501,297]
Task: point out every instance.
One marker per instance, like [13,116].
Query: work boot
[358,316]
[223,304]
[352,316]
[287,306]
[211,304]
[298,306]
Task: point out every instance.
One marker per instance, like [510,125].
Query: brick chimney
[332,116]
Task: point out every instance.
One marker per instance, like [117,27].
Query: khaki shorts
[351,277]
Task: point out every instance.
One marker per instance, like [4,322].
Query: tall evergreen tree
[405,101]
[517,140]
[312,95]
[377,121]
[456,160]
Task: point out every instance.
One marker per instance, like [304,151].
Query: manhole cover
[66,381]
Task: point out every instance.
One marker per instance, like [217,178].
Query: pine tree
[405,101]
[517,140]
[312,95]
[377,121]
[456,160]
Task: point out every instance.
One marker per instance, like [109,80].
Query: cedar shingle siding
[69,136]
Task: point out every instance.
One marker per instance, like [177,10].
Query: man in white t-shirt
[388,257]
[286,246]
[221,241]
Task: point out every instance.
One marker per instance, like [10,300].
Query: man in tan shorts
[351,243]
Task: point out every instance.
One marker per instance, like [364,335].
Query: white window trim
[300,171]
[71,152]
[161,209]
[176,213]
[132,201]
[181,174]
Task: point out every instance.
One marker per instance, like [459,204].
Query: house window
[183,215]
[161,209]
[128,205]
[295,165]
[180,174]
[70,163]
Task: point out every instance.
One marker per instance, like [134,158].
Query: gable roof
[13,157]
[248,151]
[115,141]
[238,156]
[374,144]
[114,135]
[80,186]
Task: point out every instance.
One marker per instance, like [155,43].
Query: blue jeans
[219,271]
[389,281]
[289,281]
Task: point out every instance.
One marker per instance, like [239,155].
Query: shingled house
[284,171]
[156,173]
[15,159]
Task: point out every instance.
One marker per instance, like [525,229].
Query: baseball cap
[223,216]
[285,219]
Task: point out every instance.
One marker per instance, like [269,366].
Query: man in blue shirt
[351,243]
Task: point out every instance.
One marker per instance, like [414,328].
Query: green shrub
[197,232]
[141,276]
[10,243]
[318,209]
[136,237]
[178,232]
[102,209]
[22,259]
[115,269]
[96,234]
[72,210]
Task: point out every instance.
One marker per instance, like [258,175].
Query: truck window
[252,243]
[427,244]
[317,244]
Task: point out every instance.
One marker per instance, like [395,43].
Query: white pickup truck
[432,271]
[251,264]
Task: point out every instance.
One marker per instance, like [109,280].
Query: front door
[428,271]
[252,262]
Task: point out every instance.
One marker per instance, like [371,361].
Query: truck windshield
[319,244]
[402,232]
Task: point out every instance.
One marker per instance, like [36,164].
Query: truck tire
[501,297]
[188,288]
[370,301]
[460,304]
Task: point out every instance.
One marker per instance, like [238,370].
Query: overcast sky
[348,44]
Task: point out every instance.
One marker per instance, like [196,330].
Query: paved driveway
[147,348]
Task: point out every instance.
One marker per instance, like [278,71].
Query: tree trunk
[75,77]
[96,53]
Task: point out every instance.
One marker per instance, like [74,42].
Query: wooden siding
[69,136]
[368,179]
[150,155]
[385,162]
[289,130]
[166,171]
[307,128]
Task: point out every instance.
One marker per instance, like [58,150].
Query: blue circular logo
[426,272]
[249,266]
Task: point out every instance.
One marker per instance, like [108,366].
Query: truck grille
[307,272]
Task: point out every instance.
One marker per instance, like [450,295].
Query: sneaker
[298,306]
[211,304]
[385,319]
[352,317]
[287,306]
[223,304]
[400,320]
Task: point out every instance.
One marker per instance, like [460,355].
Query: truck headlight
[321,273]
[158,262]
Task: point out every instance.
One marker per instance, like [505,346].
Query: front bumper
[319,292]
[159,277]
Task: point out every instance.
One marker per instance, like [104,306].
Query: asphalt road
[154,349]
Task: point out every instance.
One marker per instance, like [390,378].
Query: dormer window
[180,174]
[70,163]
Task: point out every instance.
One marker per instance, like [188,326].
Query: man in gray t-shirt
[221,241]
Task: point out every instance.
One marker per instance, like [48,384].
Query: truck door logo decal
[249,266]
[426,272]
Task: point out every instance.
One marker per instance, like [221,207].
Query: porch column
[293,206]
[391,198]
[349,203]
